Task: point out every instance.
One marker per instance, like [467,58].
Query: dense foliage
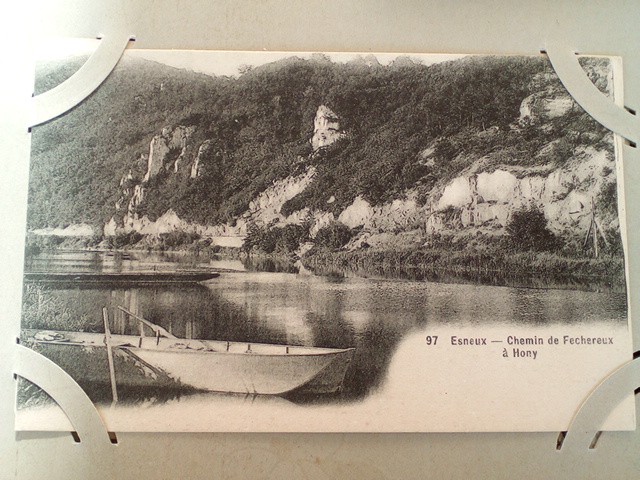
[527,230]
[123,239]
[78,159]
[333,236]
[258,127]
[271,239]
[41,309]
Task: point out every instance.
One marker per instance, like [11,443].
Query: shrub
[178,238]
[527,229]
[95,240]
[333,236]
[41,309]
[32,248]
[123,239]
[252,238]
[608,198]
[285,239]
[289,237]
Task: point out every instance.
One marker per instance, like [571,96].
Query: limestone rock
[320,219]
[399,214]
[196,168]
[326,128]
[265,208]
[457,193]
[487,199]
[543,106]
[110,228]
[163,148]
[356,214]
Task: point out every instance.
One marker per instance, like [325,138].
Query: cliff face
[477,200]
[169,155]
[167,150]
[467,191]
[326,128]
[487,199]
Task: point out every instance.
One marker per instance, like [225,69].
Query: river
[374,315]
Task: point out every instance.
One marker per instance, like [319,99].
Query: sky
[212,62]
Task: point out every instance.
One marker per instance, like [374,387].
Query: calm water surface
[372,315]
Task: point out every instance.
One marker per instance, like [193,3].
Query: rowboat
[222,366]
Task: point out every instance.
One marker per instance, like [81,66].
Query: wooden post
[140,329]
[604,237]
[594,228]
[587,236]
[595,241]
[107,340]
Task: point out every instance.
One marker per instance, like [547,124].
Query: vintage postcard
[259,241]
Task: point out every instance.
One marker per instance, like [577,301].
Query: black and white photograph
[296,241]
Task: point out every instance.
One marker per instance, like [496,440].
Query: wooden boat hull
[229,367]
[128,278]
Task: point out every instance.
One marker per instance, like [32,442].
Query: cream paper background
[431,26]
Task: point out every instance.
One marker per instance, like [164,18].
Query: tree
[333,236]
[283,240]
[244,68]
[290,237]
[528,230]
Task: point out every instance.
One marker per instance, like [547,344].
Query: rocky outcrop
[265,208]
[167,150]
[392,216]
[487,199]
[168,222]
[172,151]
[538,107]
[326,128]
[167,154]
[481,197]
[357,214]
[196,168]
[127,183]
[550,99]
[320,219]
[137,198]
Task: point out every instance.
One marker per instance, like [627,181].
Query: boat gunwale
[137,277]
[333,351]
[312,353]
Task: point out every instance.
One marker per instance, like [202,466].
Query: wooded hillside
[259,126]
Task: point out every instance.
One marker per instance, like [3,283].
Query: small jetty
[119,277]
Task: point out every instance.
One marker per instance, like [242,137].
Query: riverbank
[452,261]
[493,267]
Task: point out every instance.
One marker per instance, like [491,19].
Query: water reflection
[110,262]
[371,314]
[479,277]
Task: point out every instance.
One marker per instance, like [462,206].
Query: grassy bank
[529,256]
[493,266]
